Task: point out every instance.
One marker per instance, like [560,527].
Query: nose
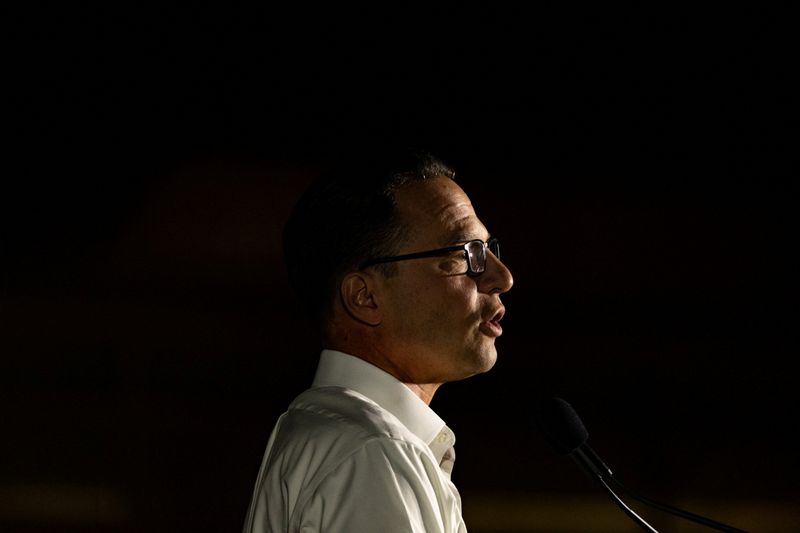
[497,278]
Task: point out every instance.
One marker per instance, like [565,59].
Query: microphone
[564,431]
[566,434]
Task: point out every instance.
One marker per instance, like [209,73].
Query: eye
[455,263]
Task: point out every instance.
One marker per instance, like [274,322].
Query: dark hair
[345,218]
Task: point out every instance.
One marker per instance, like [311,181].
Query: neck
[377,357]
[424,391]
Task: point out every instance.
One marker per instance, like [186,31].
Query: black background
[637,166]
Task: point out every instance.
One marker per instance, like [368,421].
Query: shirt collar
[343,370]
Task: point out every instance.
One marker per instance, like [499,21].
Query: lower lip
[491,329]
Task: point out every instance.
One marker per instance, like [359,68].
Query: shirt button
[442,437]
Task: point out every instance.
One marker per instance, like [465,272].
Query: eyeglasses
[474,252]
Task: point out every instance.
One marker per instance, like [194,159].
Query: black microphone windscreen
[560,425]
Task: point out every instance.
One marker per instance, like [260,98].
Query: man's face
[439,321]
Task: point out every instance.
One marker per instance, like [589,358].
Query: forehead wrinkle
[448,206]
[456,214]
[466,228]
[445,214]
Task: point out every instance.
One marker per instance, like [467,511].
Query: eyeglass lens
[476,254]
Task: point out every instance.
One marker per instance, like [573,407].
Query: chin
[484,360]
[491,359]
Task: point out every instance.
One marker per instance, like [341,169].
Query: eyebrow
[462,238]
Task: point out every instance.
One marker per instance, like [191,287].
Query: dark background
[636,165]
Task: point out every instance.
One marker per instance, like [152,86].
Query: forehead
[438,212]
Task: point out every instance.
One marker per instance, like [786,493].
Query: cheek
[441,307]
[458,305]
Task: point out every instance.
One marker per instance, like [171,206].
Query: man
[404,282]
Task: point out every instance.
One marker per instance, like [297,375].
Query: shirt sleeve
[387,485]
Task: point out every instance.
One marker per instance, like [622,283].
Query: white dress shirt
[359,452]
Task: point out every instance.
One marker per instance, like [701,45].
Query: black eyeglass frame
[492,245]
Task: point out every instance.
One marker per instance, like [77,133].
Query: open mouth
[492,327]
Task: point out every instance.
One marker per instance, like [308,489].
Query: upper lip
[495,314]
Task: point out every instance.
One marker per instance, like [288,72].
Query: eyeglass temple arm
[416,255]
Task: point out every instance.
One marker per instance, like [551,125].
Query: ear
[357,293]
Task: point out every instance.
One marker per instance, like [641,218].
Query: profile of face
[440,320]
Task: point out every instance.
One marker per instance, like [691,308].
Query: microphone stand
[627,510]
[590,467]
[719,526]
[564,430]
[593,465]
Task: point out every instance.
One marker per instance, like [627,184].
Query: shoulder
[325,426]
[334,449]
[326,429]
